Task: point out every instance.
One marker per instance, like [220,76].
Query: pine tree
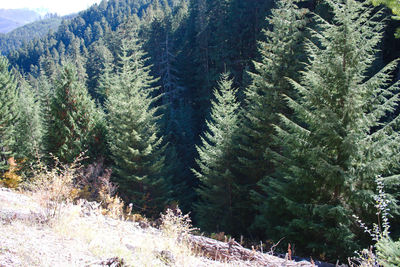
[133,134]
[8,113]
[29,128]
[99,59]
[281,56]
[163,45]
[218,188]
[72,111]
[340,139]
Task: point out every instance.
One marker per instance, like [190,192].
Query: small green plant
[385,252]
[388,252]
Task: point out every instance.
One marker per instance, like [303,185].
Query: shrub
[54,187]
[385,252]
[176,225]
[113,206]
[11,179]
[95,185]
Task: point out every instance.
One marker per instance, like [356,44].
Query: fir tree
[8,113]
[218,188]
[72,111]
[281,56]
[133,134]
[29,128]
[99,59]
[340,139]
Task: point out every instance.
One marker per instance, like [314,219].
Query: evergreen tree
[72,112]
[281,56]
[99,59]
[218,188]
[340,139]
[133,134]
[162,45]
[8,113]
[29,128]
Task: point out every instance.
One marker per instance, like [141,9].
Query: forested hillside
[271,120]
[16,38]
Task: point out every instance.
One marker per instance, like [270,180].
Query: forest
[269,120]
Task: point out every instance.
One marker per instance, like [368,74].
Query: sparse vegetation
[53,188]
[96,233]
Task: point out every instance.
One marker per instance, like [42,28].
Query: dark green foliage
[218,189]
[99,58]
[101,19]
[8,112]
[219,35]
[72,117]
[162,39]
[394,7]
[335,146]
[281,56]
[133,134]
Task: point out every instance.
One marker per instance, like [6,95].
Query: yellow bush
[10,178]
[113,207]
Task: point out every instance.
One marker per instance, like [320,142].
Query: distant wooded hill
[11,19]
[37,29]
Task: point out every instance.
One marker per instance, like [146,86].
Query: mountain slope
[11,19]
[78,238]
[37,29]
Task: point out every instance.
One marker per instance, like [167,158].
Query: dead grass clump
[176,225]
[113,206]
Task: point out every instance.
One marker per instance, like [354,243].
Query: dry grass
[42,227]
[106,238]
[75,240]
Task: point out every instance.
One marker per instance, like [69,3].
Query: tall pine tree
[29,128]
[133,133]
[8,113]
[72,112]
[281,56]
[215,210]
[339,141]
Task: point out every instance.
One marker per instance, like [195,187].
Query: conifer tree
[133,135]
[340,140]
[72,111]
[8,113]
[99,59]
[29,128]
[281,56]
[218,188]
[163,44]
